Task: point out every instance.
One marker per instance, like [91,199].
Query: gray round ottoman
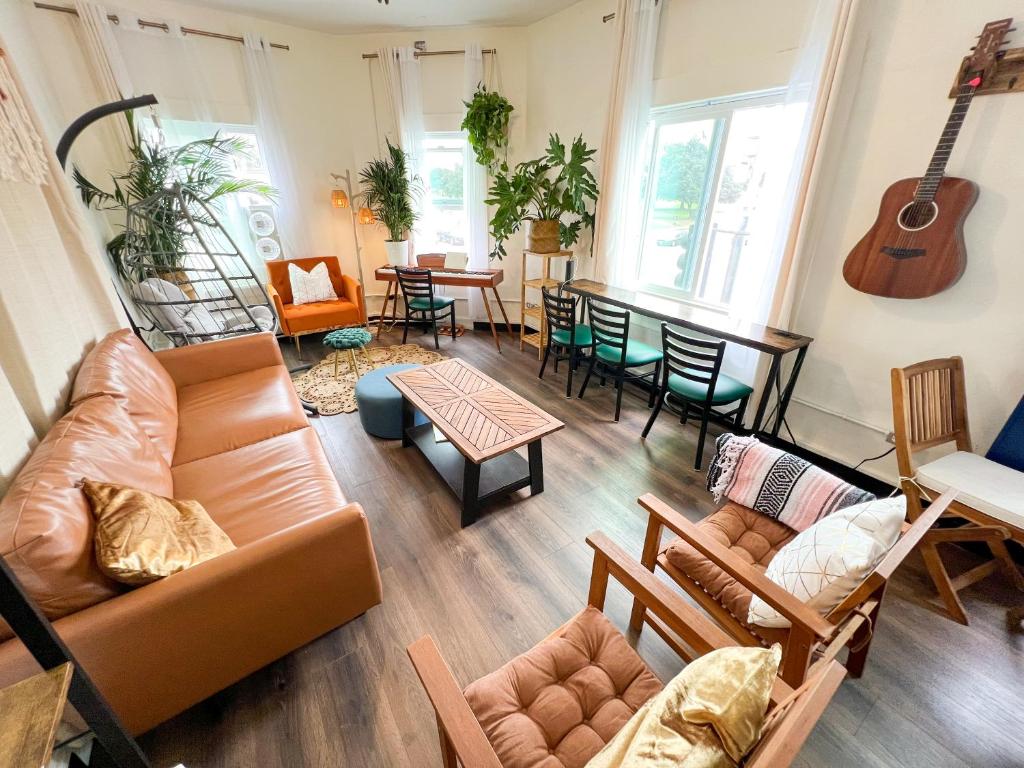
[380,404]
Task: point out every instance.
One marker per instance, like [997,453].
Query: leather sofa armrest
[278,307]
[354,293]
[217,359]
[159,649]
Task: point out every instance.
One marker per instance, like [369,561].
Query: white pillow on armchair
[826,562]
[308,287]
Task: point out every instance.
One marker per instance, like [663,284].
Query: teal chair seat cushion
[727,389]
[637,353]
[440,302]
[380,404]
[584,338]
[347,338]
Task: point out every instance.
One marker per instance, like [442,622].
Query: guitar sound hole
[916,215]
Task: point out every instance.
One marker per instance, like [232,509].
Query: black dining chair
[418,290]
[615,353]
[567,339]
[692,376]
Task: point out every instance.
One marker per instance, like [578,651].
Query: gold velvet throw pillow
[709,716]
[142,537]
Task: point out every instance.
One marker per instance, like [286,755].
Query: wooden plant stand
[533,317]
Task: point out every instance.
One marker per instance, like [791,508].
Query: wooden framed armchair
[299,319]
[929,404]
[463,732]
[720,563]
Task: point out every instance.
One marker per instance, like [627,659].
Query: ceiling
[350,16]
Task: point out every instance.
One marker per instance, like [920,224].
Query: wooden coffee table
[483,422]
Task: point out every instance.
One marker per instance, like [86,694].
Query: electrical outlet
[891,438]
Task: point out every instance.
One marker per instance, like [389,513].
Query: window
[705,201]
[444,225]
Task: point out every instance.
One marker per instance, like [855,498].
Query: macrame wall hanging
[22,157]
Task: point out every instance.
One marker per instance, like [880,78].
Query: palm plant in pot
[554,194]
[205,166]
[388,191]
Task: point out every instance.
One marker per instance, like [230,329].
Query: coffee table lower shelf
[474,483]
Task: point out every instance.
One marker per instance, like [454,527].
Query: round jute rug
[331,396]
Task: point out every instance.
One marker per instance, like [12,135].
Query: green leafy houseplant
[560,184]
[388,191]
[205,166]
[486,125]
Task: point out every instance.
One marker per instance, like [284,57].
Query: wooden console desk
[480,278]
[771,341]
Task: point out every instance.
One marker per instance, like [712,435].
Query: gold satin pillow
[709,716]
[141,537]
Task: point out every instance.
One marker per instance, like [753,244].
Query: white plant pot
[398,252]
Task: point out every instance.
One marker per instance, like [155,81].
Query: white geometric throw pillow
[823,564]
[311,286]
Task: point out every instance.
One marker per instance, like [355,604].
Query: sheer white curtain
[403,88]
[55,297]
[261,79]
[616,238]
[104,56]
[765,294]
[476,184]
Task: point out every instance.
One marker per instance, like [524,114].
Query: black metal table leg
[470,493]
[766,393]
[787,392]
[536,467]
[408,420]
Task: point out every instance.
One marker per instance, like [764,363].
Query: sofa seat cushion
[234,411]
[981,484]
[559,703]
[320,315]
[46,526]
[121,366]
[263,487]
[754,537]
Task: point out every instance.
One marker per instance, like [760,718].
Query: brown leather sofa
[218,422]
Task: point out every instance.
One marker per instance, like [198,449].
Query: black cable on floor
[874,458]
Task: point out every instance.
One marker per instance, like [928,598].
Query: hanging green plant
[486,123]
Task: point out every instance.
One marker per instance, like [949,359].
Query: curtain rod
[417,54]
[609,16]
[161,25]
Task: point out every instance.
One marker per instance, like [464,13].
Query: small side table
[349,339]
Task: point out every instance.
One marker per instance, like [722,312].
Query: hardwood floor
[934,694]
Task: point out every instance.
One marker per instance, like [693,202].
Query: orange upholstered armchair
[299,319]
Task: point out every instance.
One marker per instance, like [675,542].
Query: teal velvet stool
[380,404]
[350,339]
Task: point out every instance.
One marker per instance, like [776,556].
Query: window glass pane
[682,163]
[444,223]
[733,221]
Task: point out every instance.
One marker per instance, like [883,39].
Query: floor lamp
[342,198]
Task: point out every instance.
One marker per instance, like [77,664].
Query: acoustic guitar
[916,246]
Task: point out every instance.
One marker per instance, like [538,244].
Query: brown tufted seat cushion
[559,703]
[752,536]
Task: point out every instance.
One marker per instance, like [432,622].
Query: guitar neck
[929,184]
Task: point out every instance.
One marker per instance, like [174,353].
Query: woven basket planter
[542,236]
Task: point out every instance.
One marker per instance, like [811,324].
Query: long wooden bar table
[464,278]
[771,341]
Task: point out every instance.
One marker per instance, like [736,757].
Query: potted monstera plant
[554,194]
[388,191]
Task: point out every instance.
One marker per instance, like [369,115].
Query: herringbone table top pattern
[481,418]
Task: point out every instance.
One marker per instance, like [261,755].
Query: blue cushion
[727,389]
[584,338]
[637,353]
[380,404]
[440,302]
[1008,449]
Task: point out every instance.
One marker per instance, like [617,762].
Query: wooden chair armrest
[783,742]
[454,715]
[913,535]
[967,533]
[659,598]
[770,592]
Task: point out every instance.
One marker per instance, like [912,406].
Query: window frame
[721,111]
